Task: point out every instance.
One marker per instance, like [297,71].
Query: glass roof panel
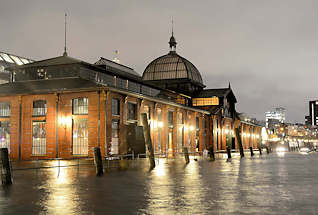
[6,58]
[25,61]
[17,60]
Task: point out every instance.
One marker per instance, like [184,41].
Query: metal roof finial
[65,53]
[172,42]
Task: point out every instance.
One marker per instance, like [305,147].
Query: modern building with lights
[64,107]
[312,118]
[278,114]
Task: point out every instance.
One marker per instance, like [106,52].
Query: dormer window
[41,74]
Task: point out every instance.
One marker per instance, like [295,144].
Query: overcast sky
[267,49]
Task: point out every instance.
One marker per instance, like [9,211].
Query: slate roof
[45,86]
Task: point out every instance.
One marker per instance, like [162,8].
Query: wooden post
[252,153]
[98,161]
[186,155]
[211,151]
[239,141]
[260,151]
[228,150]
[6,176]
[267,150]
[146,129]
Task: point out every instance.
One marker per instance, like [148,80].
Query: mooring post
[260,150]
[211,151]
[6,176]
[252,153]
[267,150]
[147,137]
[228,150]
[98,161]
[186,155]
[239,141]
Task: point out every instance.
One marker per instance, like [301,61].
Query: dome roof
[172,66]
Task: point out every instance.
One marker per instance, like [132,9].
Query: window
[38,138]
[170,119]
[114,149]
[5,134]
[147,110]
[39,108]
[80,137]
[5,109]
[197,125]
[80,106]
[205,101]
[132,111]
[116,107]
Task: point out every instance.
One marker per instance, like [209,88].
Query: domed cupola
[174,72]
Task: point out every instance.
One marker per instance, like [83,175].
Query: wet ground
[268,184]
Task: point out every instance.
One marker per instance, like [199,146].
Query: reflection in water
[266,184]
[61,196]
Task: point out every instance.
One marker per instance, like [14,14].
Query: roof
[172,66]
[105,62]
[45,86]
[10,59]
[61,60]
[220,92]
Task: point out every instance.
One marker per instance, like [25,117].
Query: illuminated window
[205,101]
[147,110]
[5,109]
[170,118]
[5,134]
[39,108]
[38,138]
[132,111]
[114,149]
[80,106]
[80,137]
[6,57]
[41,74]
[17,60]
[25,61]
[116,107]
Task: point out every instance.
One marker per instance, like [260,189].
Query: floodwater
[267,184]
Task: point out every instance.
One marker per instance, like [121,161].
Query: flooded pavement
[268,184]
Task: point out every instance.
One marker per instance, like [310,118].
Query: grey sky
[268,49]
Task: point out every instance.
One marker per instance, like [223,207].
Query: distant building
[312,118]
[7,60]
[278,114]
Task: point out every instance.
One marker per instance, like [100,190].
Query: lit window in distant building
[205,101]
[5,134]
[80,137]
[38,138]
[39,108]
[116,107]
[132,111]
[5,109]
[80,106]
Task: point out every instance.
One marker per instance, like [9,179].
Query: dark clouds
[267,49]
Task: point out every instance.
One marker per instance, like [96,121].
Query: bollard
[260,151]
[228,150]
[252,153]
[6,176]
[98,161]
[239,141]
[267,150]
[211,151]
[186,155]
[147,137]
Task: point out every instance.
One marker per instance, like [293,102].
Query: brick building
[64,107]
